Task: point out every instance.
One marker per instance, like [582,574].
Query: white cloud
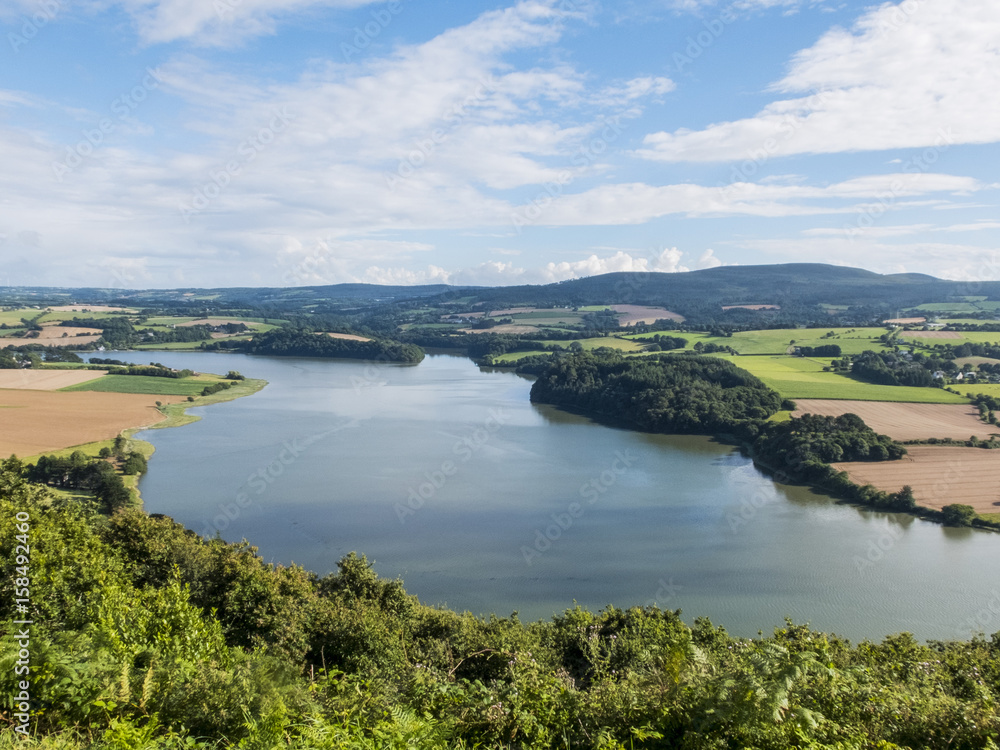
[221,22]
[908,75]
[499,273]
[636,203]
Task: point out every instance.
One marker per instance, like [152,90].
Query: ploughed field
[902,421]
[940,475]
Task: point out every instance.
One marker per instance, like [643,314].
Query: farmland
[800,377]
[939,475]
[907,421]
[39,421]
[46,380]
[140,384]
[779,340]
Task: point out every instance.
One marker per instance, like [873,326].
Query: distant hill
[793,286]
[810,283]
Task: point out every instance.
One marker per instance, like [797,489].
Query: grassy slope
[798,377]
[191,386]
[777,341]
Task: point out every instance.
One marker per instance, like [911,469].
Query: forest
[306,343]
[658,393]
[148,636]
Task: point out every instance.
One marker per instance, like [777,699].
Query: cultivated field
[778,340]
[90,308]
[518,311]
[46,380]
[803,378]
[630,315]
[751,307]
[505,328]
[146,385]
[907,421]
[931,335]
[57,336]
[208,322]
[35,422]
[347,337]
[939,475]
[906,321]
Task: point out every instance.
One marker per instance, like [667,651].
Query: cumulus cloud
[499,273]
[908,75]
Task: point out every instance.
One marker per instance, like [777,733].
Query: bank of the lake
[449,478]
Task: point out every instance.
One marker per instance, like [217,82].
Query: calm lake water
[448,477]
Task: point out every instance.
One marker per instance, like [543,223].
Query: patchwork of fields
[803,378]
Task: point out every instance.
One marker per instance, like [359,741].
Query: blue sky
[166,143]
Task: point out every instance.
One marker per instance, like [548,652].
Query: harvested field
[36,421]
[57,336]
[976,361]
[46,380]
[505,328]
[940,475]
[906,421]
[932,334]
[751,307]
[905,321]
[347,337]
[632,314]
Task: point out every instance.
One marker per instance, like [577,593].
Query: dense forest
[305,343]
[659,393]
[147,636]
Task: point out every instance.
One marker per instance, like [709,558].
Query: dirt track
[939,475]
[906,421]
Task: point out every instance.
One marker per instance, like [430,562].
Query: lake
[448,477]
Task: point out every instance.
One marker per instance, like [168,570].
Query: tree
[135,463]
[105,452]
[958,515]
[903,500]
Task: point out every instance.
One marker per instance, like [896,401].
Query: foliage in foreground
[147,636]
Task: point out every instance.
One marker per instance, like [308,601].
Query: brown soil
[46,380]
[629,315]
[906,421]
[36,421]
[939,475]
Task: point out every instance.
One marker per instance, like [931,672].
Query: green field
[13,317]
[971,337]
[778,340]
[55,317]
[621,344]
[798,377]
[192,386]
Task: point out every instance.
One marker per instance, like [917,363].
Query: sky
[208,143]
